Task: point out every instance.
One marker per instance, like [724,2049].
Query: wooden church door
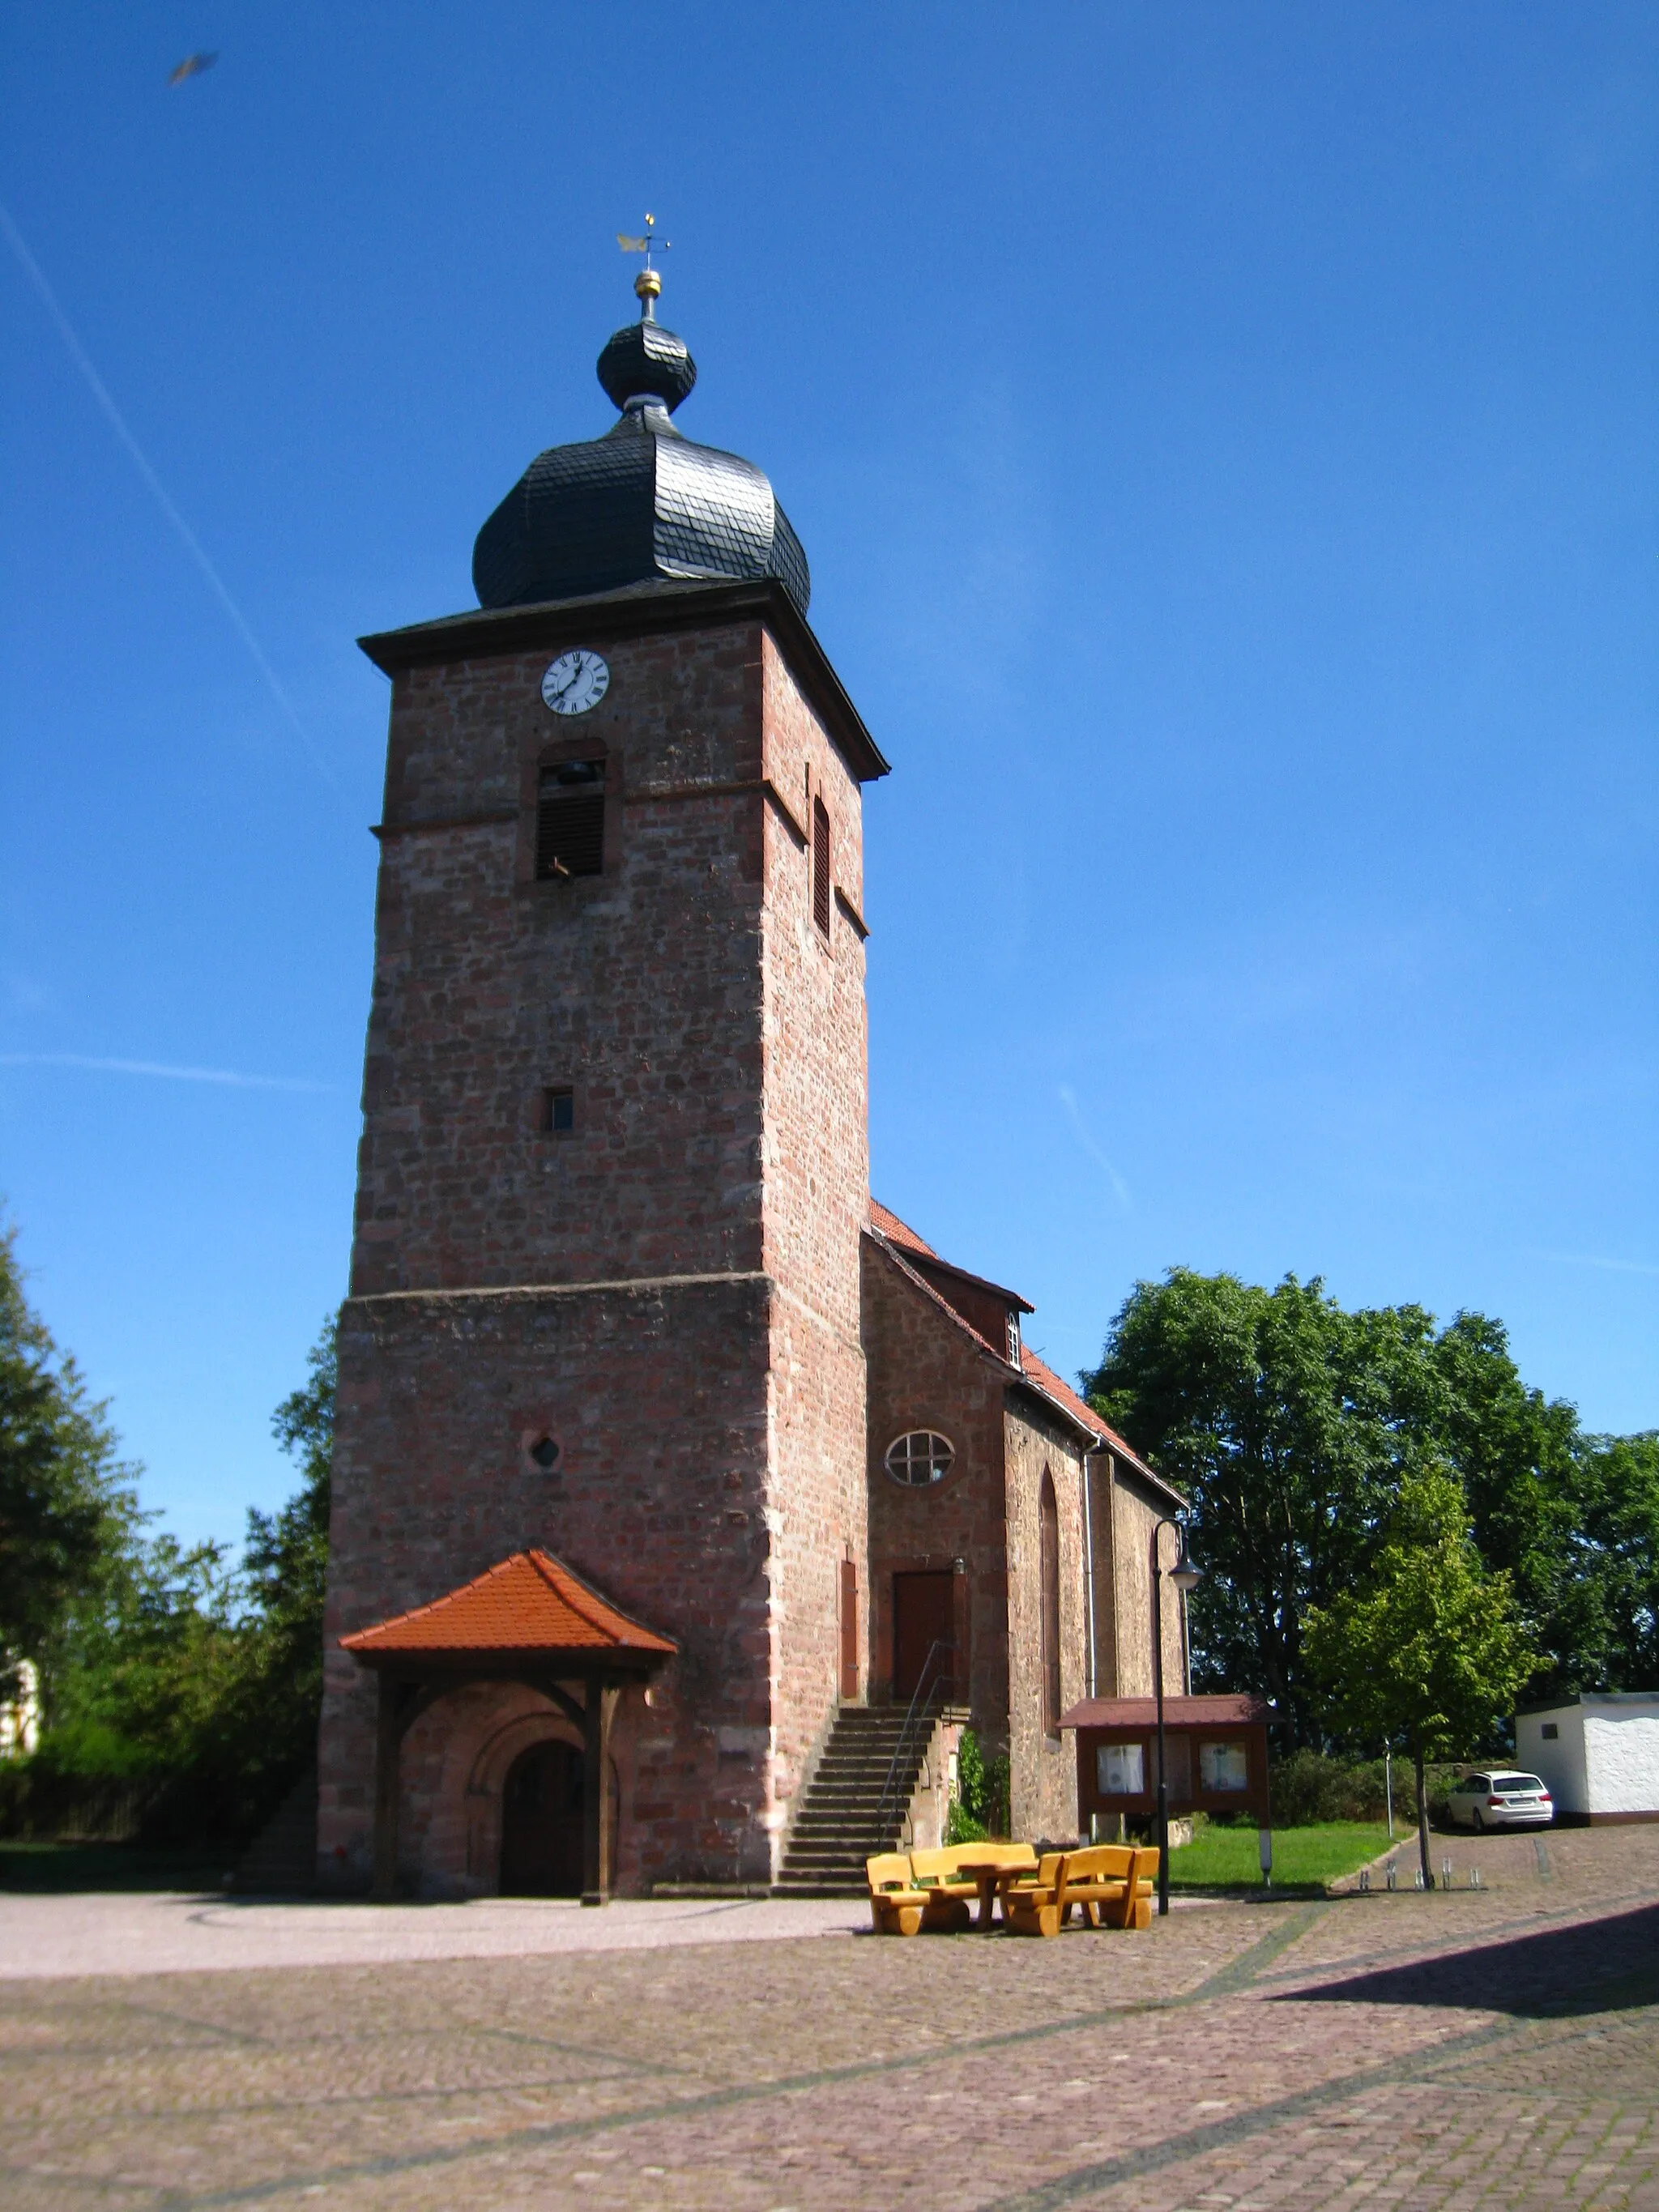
[542,1823]
[924,1614]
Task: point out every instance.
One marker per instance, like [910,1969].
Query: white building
[1597,1753]
[20,1709]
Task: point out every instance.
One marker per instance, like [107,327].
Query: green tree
[1612,1563]
[285,1569]
[1288,1423]
[1291,1424]
[183,1667]
[1430,1651]
[67,1507]
[1516,1454]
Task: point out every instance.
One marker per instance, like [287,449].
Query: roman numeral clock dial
[575,681]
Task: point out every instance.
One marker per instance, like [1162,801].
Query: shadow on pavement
[1596,1965]
[57,1869]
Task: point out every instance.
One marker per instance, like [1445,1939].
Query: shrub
[982,1798]
[1309,1787]
[961,1826]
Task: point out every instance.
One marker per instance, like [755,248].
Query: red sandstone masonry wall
[1133,1518]
[716,1048]
[658,1396]
[816,1176]
[640,987]
[1043,1790]
[924,1372]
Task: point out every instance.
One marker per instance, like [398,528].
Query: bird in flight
[193,65]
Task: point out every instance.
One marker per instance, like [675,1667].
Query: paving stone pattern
[1495,2046]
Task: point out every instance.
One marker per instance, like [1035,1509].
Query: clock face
[576,681]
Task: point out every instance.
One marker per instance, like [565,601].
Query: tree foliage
[1430,1649]
[66,1506]
[1292,1426]
[179,1666]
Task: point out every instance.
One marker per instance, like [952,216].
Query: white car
[1500,1799]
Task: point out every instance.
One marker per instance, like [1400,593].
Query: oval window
[918,1458]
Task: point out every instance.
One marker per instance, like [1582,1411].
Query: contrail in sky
[1614,1266]
[224,1075]
[1120,1190]
[194,545]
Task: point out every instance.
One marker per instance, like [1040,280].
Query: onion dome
[641,502]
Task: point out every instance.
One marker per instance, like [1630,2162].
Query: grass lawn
[1303,1858]
[61,1866]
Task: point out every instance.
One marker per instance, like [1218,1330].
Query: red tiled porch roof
[531,1602]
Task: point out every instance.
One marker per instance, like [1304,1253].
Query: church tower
[604,1295]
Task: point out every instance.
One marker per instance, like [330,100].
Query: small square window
[558,1117]
[1551,1732]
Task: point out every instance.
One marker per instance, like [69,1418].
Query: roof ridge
[578,1591]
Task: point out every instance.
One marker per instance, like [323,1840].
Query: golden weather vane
[644,245]
[647,285]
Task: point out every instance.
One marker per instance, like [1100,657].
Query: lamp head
[1185,1578]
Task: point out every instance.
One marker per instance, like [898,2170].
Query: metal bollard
[1394,1875]
[1417,1877]
[1364,1880]
[1474,1877]
[1445,1874]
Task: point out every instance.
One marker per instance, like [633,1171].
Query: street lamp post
[1185,1578]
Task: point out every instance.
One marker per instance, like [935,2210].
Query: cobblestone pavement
[1499,2046]
[164,1932]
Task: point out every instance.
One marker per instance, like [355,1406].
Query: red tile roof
[531,1602]
[900,1232]
[1178,1712]
[1037,1372]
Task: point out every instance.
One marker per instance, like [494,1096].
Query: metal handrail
[920,1707]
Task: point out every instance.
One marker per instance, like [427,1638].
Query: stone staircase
[836,1829]
[282,1860]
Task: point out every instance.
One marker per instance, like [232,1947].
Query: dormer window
[1014,1359]
[570,820]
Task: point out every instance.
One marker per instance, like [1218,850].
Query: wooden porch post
[601,1704]
[388,1759]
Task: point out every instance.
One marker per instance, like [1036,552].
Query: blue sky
[1223,440]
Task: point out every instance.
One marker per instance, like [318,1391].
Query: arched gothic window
[1050,1630]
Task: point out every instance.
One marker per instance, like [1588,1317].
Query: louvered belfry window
[570,820]
[821,865]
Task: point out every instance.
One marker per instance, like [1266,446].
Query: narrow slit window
[1050,1603]
[570,820]
[821,865]
[558,1110]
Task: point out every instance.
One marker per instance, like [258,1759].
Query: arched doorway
[542,1803]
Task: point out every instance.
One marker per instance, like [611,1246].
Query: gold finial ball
[647,285]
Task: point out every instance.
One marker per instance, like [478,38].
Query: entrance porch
[529,1620]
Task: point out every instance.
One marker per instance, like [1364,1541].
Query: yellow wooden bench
[895,1905]
[941,1872]
[927,1889]
[1111,1882]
